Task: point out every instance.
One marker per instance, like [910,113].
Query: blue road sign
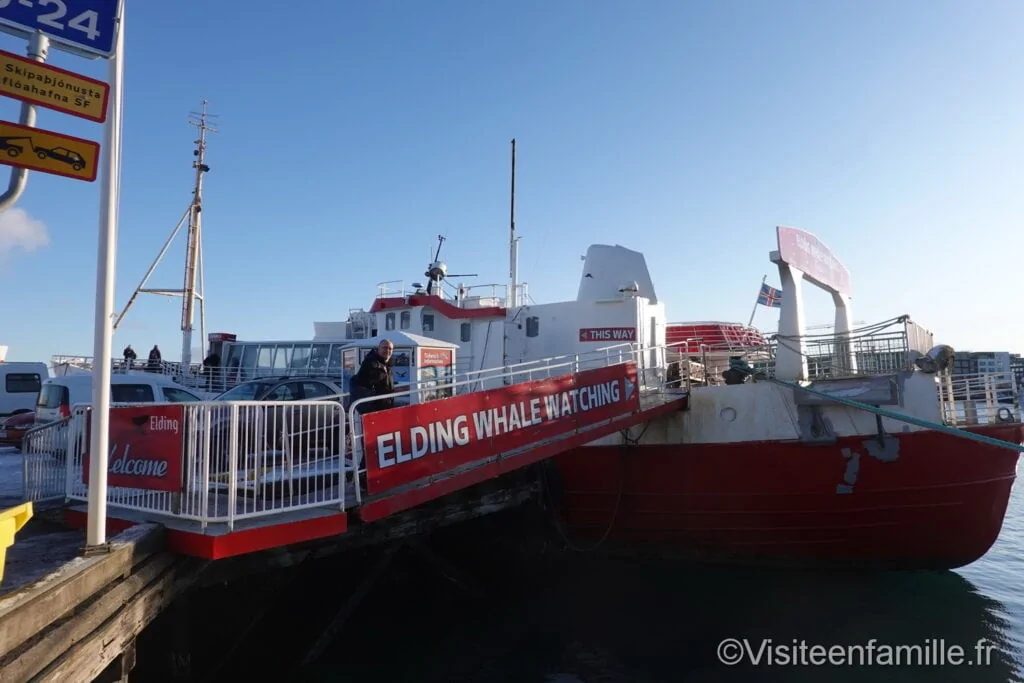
[85,26]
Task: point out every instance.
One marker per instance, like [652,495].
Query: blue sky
[352,134]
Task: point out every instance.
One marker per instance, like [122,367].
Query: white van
[19,386]
[58,394]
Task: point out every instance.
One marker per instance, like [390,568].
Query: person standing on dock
[374,379]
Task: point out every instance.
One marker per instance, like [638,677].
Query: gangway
[232,477]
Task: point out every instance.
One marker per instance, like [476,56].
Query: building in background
[1017,368]
[1000,365]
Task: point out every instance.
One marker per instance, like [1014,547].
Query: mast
[194,244]
[513,241]
[193,286]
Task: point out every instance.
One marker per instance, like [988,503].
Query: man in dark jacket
[153,364]
[374,379]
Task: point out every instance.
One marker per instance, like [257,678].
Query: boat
[769,469]
[852,448]
[766,469]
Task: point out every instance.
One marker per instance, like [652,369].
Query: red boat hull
[939,504]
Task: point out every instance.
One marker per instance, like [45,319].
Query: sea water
[510,609]
[590,620]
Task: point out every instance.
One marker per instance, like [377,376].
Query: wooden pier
[71,616]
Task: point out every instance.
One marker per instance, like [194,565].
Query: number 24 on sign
[84,22]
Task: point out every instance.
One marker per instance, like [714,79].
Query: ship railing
[231,461]
[878,349]
[67,365]
[468,296]
[978,399]
[654,374]
[220,379]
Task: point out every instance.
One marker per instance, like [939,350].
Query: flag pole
[754,312]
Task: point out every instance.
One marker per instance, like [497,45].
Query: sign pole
[38,47]
[105,270]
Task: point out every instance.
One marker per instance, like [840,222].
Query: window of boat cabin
[300,357]
[466,330]
[428,322]
[532,326]
[334,364]
[404,320]
[131,393]
[319,356]
[282,357]
[389,321]
[265,359]
[249,356]
[22,383]
[234,355]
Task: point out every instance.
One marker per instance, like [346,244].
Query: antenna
[193,250]
[193,286]
[513,241]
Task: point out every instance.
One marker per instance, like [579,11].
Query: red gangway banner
[405,444]
[145,447]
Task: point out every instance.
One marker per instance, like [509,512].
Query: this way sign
[86,26]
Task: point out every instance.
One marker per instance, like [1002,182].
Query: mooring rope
[909,419]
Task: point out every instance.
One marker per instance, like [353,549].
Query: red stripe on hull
[939,504]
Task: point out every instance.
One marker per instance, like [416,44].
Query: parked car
[261,429]
[58,394]
[13,428]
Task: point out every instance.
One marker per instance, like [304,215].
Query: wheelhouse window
[405,320]
[532,326]
[465,330]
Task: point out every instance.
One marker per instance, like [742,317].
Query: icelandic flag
[770,297]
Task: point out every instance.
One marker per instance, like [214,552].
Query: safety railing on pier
[44,451]
[226,462]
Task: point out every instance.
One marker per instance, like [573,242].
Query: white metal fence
[238,460]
